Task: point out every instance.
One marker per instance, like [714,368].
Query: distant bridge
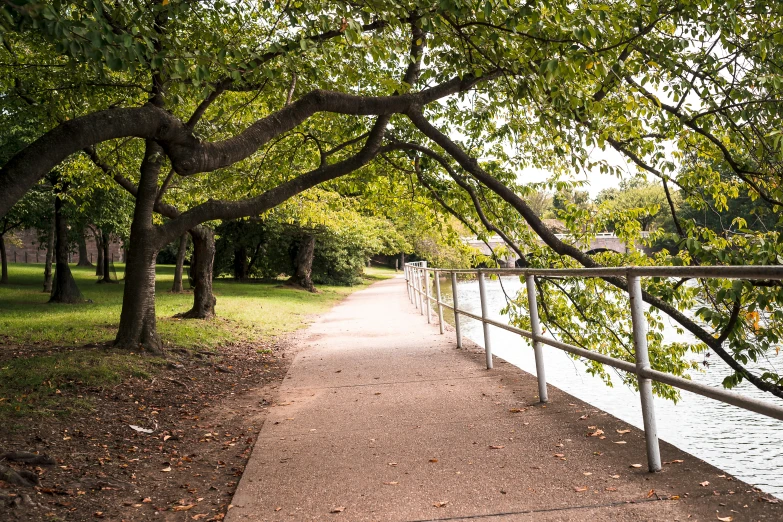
[605,241]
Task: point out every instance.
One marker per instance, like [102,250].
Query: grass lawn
[41,344]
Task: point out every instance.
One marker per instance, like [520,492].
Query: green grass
[247,313]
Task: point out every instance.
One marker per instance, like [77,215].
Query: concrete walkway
[380,418]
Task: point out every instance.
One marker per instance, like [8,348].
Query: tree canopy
[221,110]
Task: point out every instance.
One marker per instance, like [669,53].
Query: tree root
[28,458]
[18,478]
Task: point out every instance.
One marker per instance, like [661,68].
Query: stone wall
[31,251]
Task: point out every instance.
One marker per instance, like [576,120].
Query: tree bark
[201,272]
[84,257]
[4,261]
[99,248]
[304,264]
[183,246]
[64,288]
[138,327]
[240,263]
[47,286]
[106,258]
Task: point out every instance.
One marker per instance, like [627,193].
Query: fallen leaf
[621,432]
[725,519]
[558,455]
[339,509]
[279,508]
[650,493]
[433,460]
[140,429]
[615,476]
[610,489]
[441,504]
[147,500]
[183,508]
[166,470]
[586,473]
[636,465]
[619,442]
[705,483]
[516,410]
[390,483]
[496,447]
[674,497]
[392,463]
[165,438]
[579,489]
[596,433]
[199,516]
[583,417]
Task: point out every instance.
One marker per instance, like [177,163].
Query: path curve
[380,418]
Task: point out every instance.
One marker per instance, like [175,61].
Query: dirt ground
[205,413]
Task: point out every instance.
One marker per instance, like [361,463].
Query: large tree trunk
[240,263]
[138,327]
[181,251]
[99,248]
[304,264]
[201,272]
[84,257]
[106,243]
[47,286]
[4,261]
[65,289]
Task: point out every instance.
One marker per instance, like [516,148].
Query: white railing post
[437,298]
[427,294]
[483,297]
[415,289]
[408,283]
[643,363]
[535,327]
[420,282]
[456,307]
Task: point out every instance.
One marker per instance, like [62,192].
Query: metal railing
[417,279]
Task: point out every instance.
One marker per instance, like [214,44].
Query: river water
[747,445]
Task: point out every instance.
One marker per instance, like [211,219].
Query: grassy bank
[46,349]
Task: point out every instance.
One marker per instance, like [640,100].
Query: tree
[635,200]
[520,85]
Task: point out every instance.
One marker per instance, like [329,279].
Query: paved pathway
[381,418]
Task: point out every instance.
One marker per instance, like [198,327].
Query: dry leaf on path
[725,519]
[579,489]
[496,447]
[441,504]
[166,470]
[636,465]
[338,509]
[650,493]
[619,442]
[183,508]
[610,489]
[623,431]
[390,483]
[596,433]
[559,455]
[705,483]
[433,460]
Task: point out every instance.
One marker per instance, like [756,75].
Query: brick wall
[32,251]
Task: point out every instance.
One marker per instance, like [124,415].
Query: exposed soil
[205,413]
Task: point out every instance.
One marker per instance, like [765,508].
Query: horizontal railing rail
[417,279]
